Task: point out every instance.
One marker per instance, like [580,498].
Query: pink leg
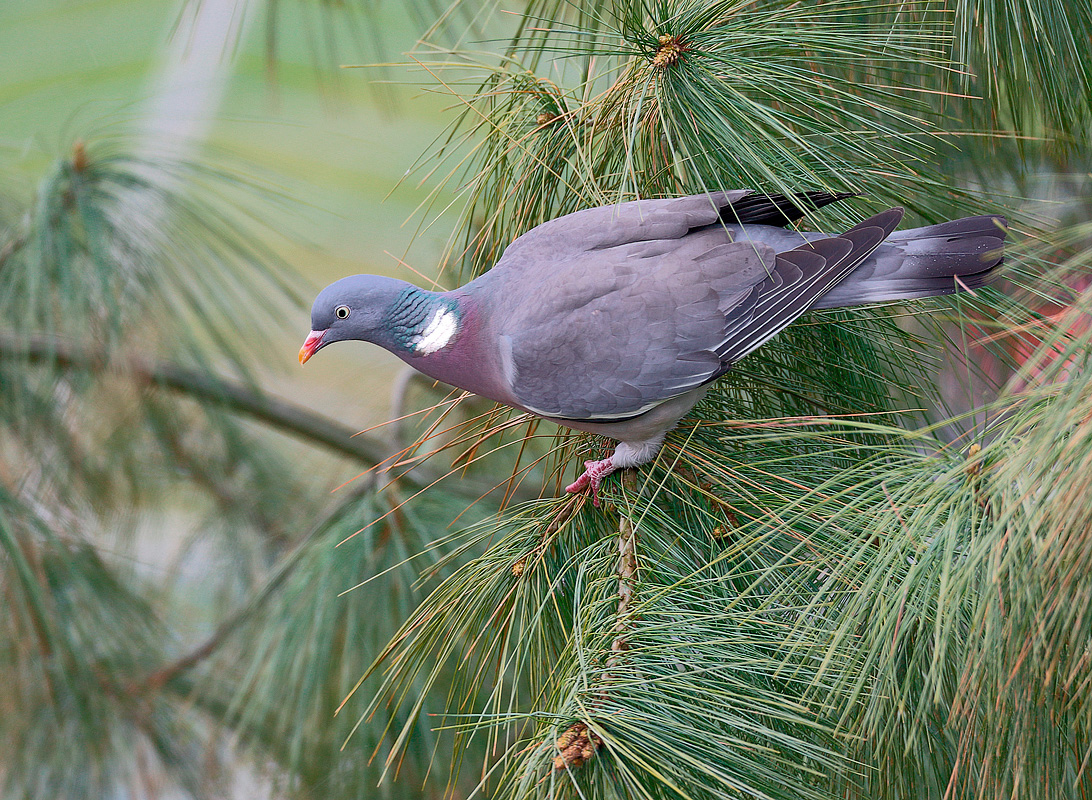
[594,472]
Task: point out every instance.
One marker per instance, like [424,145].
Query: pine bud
[671,49]
[577,745]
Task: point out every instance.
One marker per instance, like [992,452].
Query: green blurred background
[327,147]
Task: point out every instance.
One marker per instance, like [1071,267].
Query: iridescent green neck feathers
[423,322]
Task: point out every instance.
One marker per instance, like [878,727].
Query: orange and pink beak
[311,344]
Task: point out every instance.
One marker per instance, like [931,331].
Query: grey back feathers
[925,262]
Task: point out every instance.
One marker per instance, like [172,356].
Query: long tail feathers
[925,262]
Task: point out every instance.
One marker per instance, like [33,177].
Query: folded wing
[613,331]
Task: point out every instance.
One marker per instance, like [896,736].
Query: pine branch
[233,395]
[579,743]
[204,387]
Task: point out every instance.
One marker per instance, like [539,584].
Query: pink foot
[594,472]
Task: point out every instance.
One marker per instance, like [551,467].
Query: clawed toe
[579,485]
[594,473]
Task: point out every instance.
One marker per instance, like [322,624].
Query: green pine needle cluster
[825,585]
[134,422]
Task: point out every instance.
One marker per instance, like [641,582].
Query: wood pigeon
[616,320]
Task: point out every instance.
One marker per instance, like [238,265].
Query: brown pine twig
[578,744]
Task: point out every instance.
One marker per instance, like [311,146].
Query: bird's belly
[647,426]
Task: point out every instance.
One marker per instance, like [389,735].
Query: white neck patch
[437,333]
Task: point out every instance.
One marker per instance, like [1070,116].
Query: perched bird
[615,320]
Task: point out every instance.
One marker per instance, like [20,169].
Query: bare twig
[201,386]
[11,246]
[187,661]
[399,390]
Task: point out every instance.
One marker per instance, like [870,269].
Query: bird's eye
[341,312]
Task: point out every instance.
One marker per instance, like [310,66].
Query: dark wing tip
[778,210]
[887,220]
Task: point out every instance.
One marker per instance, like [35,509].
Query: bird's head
[353,308]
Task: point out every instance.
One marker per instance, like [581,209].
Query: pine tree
[861,568]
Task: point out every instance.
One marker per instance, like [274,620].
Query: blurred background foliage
[859,569]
